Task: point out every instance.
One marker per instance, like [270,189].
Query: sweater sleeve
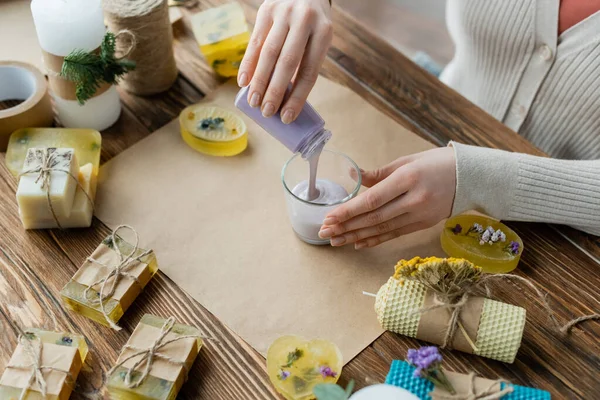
[520,187]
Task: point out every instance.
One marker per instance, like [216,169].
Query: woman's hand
[290,38]
[410,194]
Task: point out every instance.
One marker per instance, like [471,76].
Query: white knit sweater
[511,62]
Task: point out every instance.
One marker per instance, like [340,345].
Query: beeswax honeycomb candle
[62,355]
[165,378]
[82,209]
[499,326]
[82,293]
[222,33]
[38,195]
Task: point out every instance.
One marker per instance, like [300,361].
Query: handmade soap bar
[85,142]
[494,328]
[222,33]
[213,130]
[62,356]
[39,193]
[180,343]
[82,209]
[96,278]
[295,365]
[485,242]
[402,375]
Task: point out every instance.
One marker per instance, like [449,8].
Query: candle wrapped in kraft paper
[467,386]
[44,364]
[110,279]
[156,360]
[434,300]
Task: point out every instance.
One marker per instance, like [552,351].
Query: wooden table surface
[34,266]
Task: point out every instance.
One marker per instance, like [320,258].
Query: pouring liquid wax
[306,135]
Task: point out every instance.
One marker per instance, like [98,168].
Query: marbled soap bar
[82,209]
[222,33]
[62,351]
[126,290]
[165,378]
[36,196]
[86,143]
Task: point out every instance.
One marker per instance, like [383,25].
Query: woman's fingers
[373,231]
[373,177]
[268,57]
[287,64]
[307,73]
[377,240]
[264,21]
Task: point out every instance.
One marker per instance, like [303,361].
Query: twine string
[490,393]
[36,368]
[116,272]
[47,165]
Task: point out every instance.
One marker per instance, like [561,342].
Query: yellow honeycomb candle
[222,33]
[464,236]
[59,350]
[142,267]
[213,130]
[86,143]
[295,365]
[165,379]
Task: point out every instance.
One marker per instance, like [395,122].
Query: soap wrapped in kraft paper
[45,364]
[154,363]
[435,300]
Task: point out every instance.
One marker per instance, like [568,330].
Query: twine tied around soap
[48,164]
[491,393]
[26,339]
[453,281]
[126,261]
[151,353]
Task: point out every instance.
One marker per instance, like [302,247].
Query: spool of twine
[152,36]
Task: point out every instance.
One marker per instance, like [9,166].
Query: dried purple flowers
[428,362]
[489,236]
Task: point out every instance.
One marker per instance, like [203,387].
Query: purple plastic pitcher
[305,135]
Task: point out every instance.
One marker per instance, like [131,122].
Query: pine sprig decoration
[89,70]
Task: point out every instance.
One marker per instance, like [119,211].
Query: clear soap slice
[86,143]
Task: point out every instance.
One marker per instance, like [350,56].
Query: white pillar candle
[63,26]
[383,392]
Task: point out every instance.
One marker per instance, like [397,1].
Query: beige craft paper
[18,39]
[221,230]
[181,351]
[462,384]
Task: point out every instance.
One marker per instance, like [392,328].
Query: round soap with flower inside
[213,130]
[484,241]
[296,365]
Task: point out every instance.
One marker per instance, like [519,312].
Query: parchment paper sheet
[220,229]
[18,40]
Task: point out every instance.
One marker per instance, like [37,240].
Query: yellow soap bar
[82,209]
[165,379]
[63,351]
[42,199]
[485,242]
[86,143]
[223,35]
[126,291]
[213,130]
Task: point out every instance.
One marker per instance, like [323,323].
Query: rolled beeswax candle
[62,356]
[38,196]
[222,33]
[82,209]
[496,328]
[165,378]
[82,293]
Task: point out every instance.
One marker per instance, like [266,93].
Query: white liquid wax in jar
[63,26]
[307,219]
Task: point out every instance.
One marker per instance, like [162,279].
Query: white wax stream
[63,26]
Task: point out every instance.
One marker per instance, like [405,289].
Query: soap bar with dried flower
[180,344]
[98,273]
[39,194]
[62,355]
